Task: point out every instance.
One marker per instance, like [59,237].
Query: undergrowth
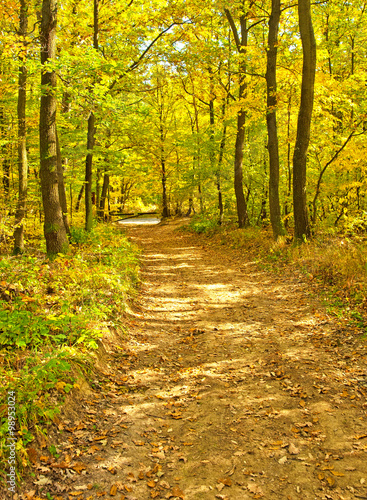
[52,314]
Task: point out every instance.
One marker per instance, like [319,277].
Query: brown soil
[234,383]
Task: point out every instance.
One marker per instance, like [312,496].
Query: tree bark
[301,222]
[22,149]
[79,199]
[54,228]
[88,172]
[165,209]
[271,121]
[5,155]
[104,192]
[61,184]
[241,44]
[91,137]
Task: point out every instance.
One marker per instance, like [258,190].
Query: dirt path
[237,385]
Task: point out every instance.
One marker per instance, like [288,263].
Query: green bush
[203,224]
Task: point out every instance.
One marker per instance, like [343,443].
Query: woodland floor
[234,383]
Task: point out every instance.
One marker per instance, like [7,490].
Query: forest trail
[240,386]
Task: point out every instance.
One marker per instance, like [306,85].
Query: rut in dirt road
[233,384]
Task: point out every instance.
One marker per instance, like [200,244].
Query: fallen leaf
[255,489]
[330,481]
[293,450]
[42,481]
[78,467]
[176,492]
[226,481]
[99,438]
[32,454]
[113,490]
[30,494]
[139,443]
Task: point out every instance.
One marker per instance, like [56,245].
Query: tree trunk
[91,137]
[5,155]
[22,149]
[222,147]
[79,199]
[241,44]
[271,121]
[301,222]
[62,192]
[102,201]
[289,166]
[54,229]
[165,209]
[88,172]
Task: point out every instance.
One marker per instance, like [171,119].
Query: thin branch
[143,54]
[234,29]
[135,64]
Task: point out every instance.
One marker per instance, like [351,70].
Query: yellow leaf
[113,490]
[330,480]
[336,473]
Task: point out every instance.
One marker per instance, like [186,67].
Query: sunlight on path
[234,380]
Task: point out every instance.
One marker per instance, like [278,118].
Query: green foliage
[32,380]
[52,313]
[79,236]
[202,224]
[21,329]
[356,224]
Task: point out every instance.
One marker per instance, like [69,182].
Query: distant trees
[242,89]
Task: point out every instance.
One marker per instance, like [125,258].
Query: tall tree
[301,222]
[271,120]
[54,228]
[91,137]
[22,149]
[241,44]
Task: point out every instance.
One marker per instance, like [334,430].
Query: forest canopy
[237,109]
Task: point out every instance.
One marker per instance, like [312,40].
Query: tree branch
[233,28]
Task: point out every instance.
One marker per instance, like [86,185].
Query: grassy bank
[53,316]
